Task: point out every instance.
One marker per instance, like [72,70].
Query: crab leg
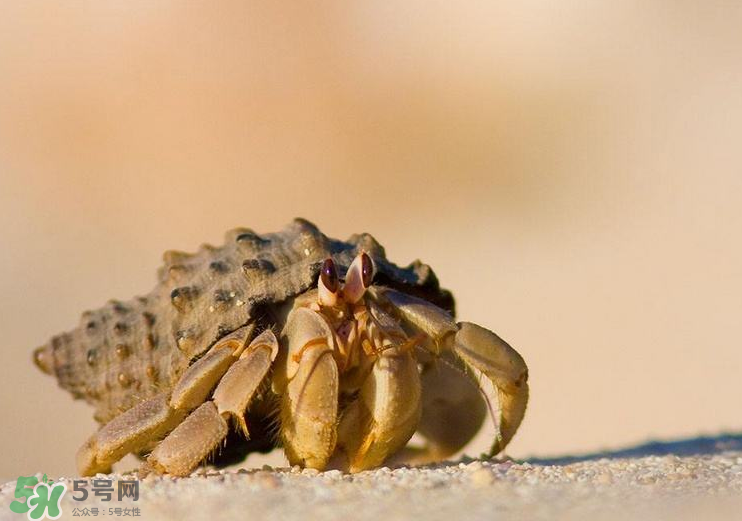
[194,439]
[243,380]
[308,382]
[453,410]
[482,352]
[191,441]
[386,413]
[151,419]
[128,432]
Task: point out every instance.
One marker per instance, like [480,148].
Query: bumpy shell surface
[127,351]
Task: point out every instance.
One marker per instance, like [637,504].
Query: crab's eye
[329,276]
[328,284]
[359,277]
[367,270]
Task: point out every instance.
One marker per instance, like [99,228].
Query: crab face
[351,309]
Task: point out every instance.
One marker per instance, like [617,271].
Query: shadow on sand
[683,447]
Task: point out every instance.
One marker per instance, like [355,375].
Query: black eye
[367,270]
[329,276]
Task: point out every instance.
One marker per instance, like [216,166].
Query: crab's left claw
[385,415]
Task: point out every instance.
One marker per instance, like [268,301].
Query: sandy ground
[695,479]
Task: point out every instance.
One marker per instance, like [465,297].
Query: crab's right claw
[308,382]
[484,352]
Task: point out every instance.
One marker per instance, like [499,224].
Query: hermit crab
[289,339]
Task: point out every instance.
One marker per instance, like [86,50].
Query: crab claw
[310,384]
[386,413]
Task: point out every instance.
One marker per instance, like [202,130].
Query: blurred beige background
[572,170]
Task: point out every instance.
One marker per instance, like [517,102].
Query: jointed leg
[482,352]
[453,410]
[485,352]
[136,428]
[243,380]
[205,428]
[191,441]
[128,432]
